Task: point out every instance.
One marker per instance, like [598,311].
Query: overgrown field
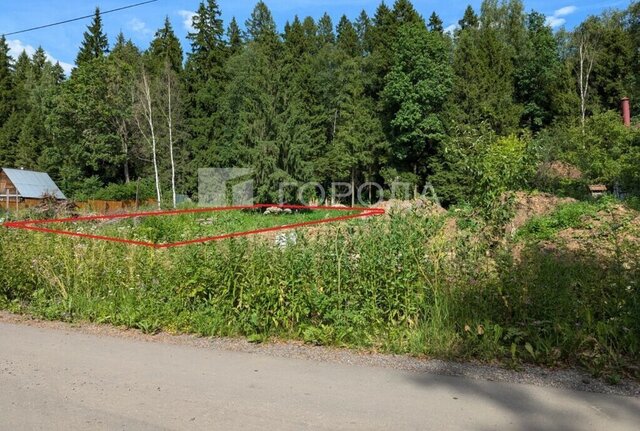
[414,282]
[163,229]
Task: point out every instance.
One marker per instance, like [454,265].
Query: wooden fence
[13,203]
[110,207]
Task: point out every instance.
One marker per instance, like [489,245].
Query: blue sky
[61,43]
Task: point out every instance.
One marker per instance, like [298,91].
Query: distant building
[27,187]
[597,190]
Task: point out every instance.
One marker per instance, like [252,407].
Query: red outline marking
[32,224]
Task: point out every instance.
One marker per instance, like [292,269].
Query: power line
[79,18]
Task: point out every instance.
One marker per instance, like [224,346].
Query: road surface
[55,379]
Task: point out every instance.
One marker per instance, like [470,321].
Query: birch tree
[145,121]
[586,57]
[169,112]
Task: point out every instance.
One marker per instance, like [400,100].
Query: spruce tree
[95,42]
[485,63]
[208,48]
[6,81]
[469,20]
[325,30]
[310,30]
[205,79]
[537,78]
[234,37]
[166,48]
[435,23]
[347,37]
[261,27]
[404,13]
[363,30]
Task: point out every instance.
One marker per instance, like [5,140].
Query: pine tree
[123,69]
[325,30]
[537,78]
[6,81]
[95,42]
[485,63]
[234,37]
[404,13]
[435,23]
[166,48]
[208,48]
[310,30]
[261,27]
[205,79]
[363,30]
[469,20]
[347,37]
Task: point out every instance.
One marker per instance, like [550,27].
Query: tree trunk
[127,177]
[170,121]
[415,185]
[147,113]
[353,188]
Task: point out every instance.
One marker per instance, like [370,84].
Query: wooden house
[26,188]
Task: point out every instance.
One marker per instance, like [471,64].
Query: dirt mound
[424,206]
[528,205]
[559,170]
[615,231]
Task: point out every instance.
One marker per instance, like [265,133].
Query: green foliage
[484,64]
[566,216]
[234,37]
[165,48]
[6,81]
[431,292]
[505,165]
[605,151]
[417,87]
[538,78]
[479,167]
[141,190]
[95,42]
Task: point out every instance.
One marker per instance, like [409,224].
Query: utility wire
[79,18]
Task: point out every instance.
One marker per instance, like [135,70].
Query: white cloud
[451,29]
[139,27]
[555,22]
[557,19]
[564,11]
[16,47]
[187,19]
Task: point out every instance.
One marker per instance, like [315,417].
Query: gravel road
[56,376]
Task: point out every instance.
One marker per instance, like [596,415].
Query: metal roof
[30,184]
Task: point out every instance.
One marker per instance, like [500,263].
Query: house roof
[598,188]
[31,184]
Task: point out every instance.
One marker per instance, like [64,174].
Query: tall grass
[406,284]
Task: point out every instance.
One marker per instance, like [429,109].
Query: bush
[143,189]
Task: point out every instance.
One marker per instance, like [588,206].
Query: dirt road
[57,379]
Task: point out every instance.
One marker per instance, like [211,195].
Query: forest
[391,97]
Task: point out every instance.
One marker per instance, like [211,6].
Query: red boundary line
[32,224]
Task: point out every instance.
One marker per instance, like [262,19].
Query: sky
[61,43]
